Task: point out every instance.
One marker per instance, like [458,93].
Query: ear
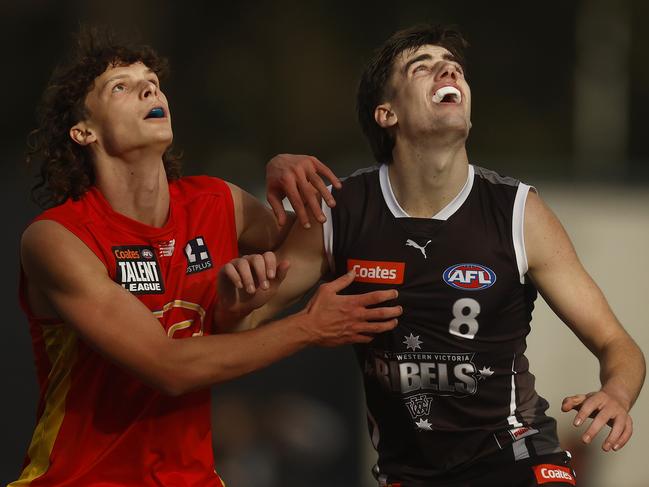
[384,116]
[82,134]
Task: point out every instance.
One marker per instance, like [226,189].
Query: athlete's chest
[173,272]
[433,263]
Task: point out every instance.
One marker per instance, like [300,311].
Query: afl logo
[147,254]
[470,277]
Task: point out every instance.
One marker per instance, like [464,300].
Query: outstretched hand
[604,408]
[298,178]
[248,282]
[336,319]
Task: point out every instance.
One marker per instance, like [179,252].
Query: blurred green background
[560,100]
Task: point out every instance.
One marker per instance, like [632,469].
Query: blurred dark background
[560,94]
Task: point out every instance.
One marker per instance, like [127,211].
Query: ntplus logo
[377,272]
[137,269]
[198,257]
[546,473]
[470,277]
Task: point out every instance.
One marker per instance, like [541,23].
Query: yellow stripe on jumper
[61,347]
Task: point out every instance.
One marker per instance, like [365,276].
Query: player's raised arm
[573,295]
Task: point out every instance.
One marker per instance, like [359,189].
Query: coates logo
[377,272]
[546,473]
[523,432]
[127,253]
[470,277]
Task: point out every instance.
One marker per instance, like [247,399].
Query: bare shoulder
[48,249]
[546,239]
[235,191]
[246,203]
[257,228]
[537,211]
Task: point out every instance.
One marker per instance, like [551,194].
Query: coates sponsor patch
[137,269]
[523,432]
[547,473]
[377,272]
[505,438]
[470,277]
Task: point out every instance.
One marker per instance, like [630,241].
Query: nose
[448,70]
[148,89]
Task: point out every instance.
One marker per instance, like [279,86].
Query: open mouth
[157,112]
[447,94]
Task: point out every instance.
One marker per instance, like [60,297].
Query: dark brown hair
[66,169]
[374,84]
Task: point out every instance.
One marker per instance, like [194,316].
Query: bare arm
[241,282]
[566,286]
[257,228]
[120,327]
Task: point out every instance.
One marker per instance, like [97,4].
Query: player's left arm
[572,294]
[257,228]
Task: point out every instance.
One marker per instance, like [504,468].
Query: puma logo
[412,243]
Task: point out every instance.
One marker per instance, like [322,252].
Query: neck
[136,189]
[426,177]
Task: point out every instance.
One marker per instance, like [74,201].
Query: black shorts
[541,471]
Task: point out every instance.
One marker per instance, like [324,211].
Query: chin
[453,126]
[164,138]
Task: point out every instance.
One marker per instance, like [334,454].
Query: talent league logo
[198,257]
[137,269]
[377,272]
[470,277]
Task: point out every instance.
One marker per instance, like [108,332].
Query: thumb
[343,281]
[572,402]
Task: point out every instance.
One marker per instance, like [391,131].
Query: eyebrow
[427,57]
[122,76]
[114,78]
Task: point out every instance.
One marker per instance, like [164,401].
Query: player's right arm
[64,276]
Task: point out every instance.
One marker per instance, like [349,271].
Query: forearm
[198,362]
[622,369]
[231,322]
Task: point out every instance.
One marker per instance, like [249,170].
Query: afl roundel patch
[470,277]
